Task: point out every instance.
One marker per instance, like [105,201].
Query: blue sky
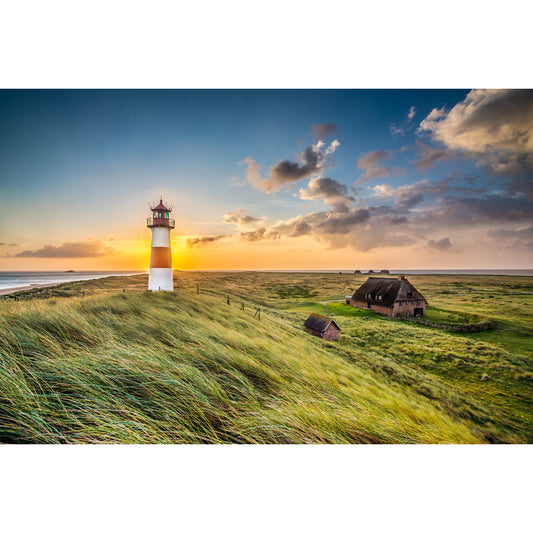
[85,164]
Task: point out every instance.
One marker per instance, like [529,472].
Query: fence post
[242,306]
[228,300]
[197,289]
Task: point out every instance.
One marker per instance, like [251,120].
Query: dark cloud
[86,248]
[311,162]
[288,171]
[471,211]
[323,130]
[521,185]
[337,229]
[509,164]
[442,244]
[429,156]
[300,228]
[329,190]
[200,242]
[371,164]
[494,207]
[410,199]
[343,222]
[409,196]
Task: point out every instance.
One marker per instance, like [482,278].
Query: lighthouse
[160,277]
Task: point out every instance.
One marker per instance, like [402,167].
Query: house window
[379,297]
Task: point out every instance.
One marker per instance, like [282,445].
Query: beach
[11,282]
[11,290]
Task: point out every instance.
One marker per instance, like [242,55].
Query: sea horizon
[23,278]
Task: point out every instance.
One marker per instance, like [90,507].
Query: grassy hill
[106,361]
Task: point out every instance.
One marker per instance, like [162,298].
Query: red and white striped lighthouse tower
[160,277]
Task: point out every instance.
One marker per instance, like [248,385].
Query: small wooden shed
[322,326]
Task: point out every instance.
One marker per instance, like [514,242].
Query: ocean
[13,280]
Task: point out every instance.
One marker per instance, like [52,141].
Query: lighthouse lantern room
[160,277]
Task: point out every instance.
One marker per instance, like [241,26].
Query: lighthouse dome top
[161,207]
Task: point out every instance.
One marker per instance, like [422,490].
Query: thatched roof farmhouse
[389,296]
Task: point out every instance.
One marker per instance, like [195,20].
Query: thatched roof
[390,289]
[320,322]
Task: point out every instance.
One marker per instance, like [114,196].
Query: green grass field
[104,361]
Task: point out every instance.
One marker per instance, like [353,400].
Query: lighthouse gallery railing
[166,222]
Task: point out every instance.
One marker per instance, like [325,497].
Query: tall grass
[139,367]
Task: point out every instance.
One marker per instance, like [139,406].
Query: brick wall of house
[382,309]
[354,303]
[331,333]
[397,310]
[408,308]
[375,307]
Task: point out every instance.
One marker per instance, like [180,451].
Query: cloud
[240,218]
[513,238]
[253,173]
[335,228]
[87,248]
[494,125]
[259,234]
[200,242]
[521,185]
[371,164]
[323,130]
[429,156]
[396,130]
[287,171]
[329,190]
[310,162]
[442,244]
[411,114]
[332,147]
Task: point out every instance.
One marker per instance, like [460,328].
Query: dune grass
[121,365]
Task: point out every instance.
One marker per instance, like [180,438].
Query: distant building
[389,297]
[322,326]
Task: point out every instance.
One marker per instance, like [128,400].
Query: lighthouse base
[160,279]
